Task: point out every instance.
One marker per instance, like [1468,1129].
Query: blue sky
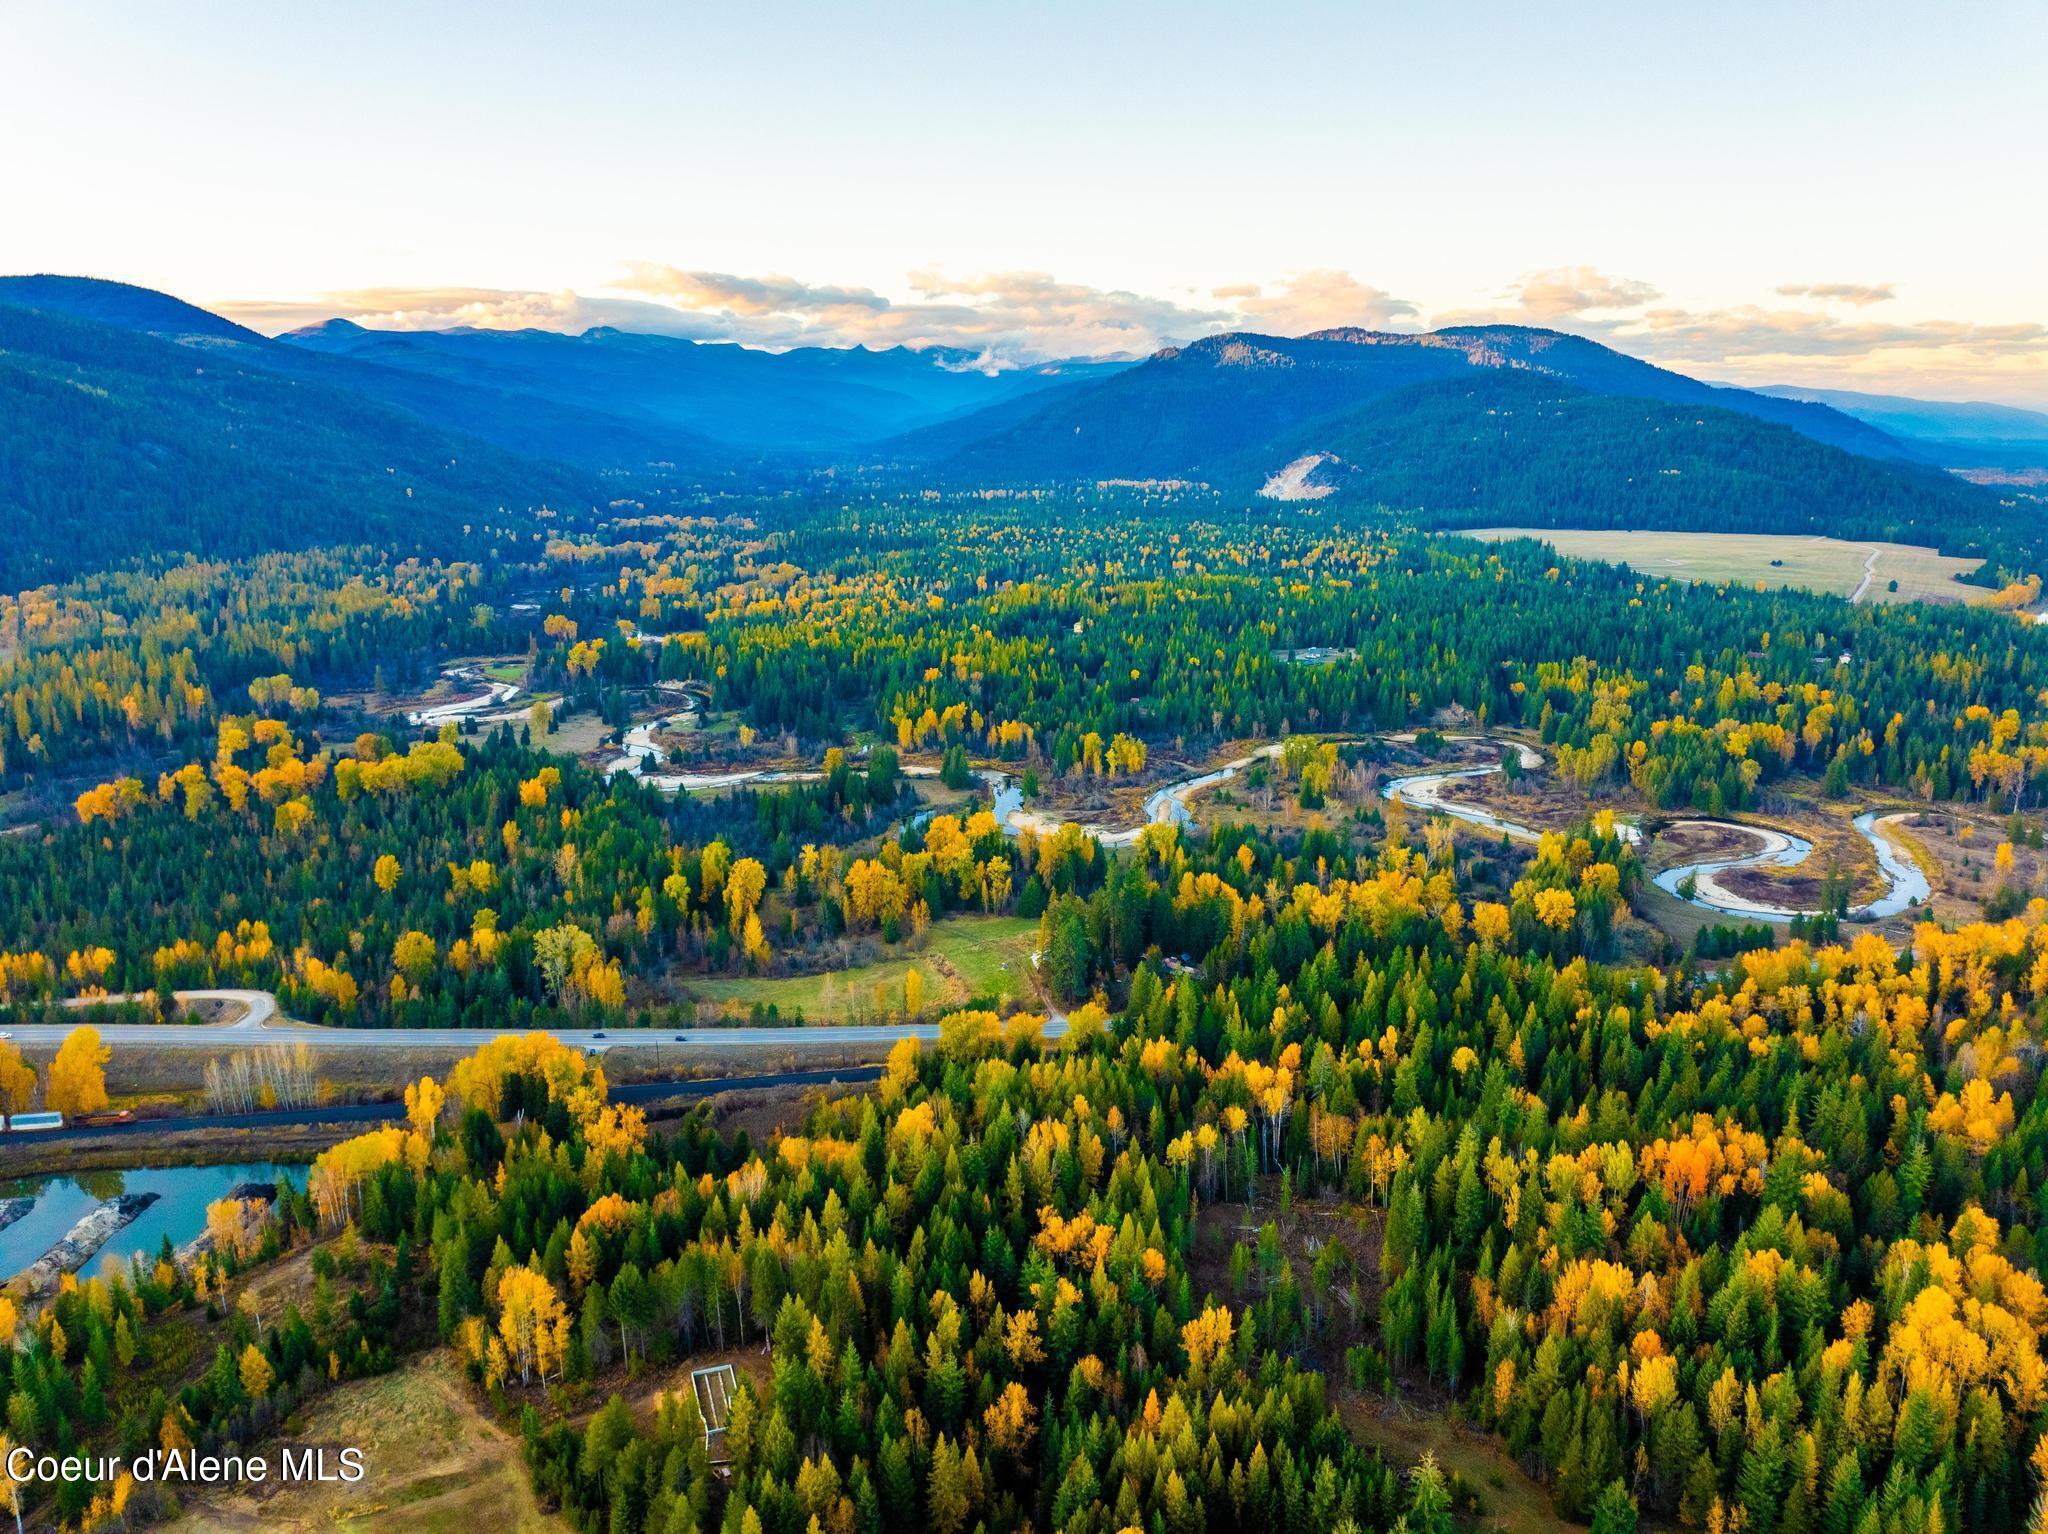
[1055,178]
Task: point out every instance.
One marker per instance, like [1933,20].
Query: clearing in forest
[1858,570]
[435,1465]
[965,958]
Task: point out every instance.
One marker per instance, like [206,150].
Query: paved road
[258,1007]
[244,1035]
[377,1113]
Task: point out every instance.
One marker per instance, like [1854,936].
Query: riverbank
[84,1241]
[1707,883]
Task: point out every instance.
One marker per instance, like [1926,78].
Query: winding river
[639,757]
[1167,806]
[494,694]
[1425,791]
[1906,885]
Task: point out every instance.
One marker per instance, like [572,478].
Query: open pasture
[1861,571]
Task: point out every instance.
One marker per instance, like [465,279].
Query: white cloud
[1565,291]
[1003,318]
[481,308]
[1811,344]
[1857,293]
[1320,300]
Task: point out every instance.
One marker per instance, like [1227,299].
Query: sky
[1818,194]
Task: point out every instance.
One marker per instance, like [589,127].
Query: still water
[180,1210]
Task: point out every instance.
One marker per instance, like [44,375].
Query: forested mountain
[1190,408]
[116,445]
[121,305]
[806,399]
[140,425]
[516,421]
[1946,431]
[1519,448]
[605,399]
[1474,425]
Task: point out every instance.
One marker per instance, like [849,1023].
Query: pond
[183,1193]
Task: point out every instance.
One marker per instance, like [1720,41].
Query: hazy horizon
[1753,197]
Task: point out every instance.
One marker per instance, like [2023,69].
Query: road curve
[258,1007]
[596,1041]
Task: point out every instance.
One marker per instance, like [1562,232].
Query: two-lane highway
[251,1032]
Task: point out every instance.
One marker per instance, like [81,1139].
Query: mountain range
[808,400]
[136,423]
[1475,425]
[1192,410]
[1955,435]
[117,445]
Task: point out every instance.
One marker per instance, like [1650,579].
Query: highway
[256,1030]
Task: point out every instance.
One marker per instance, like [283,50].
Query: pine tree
[946,1489]
[1615,1512]
[1429,1499]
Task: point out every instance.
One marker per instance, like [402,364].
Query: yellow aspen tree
[78,1079]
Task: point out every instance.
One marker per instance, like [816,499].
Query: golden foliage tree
[78,1078]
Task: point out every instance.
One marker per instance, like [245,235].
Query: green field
[969,958]
[1811,564]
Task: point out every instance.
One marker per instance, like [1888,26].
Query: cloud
[1320,300]
[1565,291]
[1001,319]
[1857,293]
[1559,296]
[726,293]
[1011,316]
[1747,330]
[1755,344]
[480,308]
[1763,343]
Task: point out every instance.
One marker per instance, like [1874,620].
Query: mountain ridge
[1482,422]
[806,400]
[115,446]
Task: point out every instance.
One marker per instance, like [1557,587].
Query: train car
[29,1123]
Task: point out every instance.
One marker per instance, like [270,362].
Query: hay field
[1831,565]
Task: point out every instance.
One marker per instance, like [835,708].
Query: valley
[1019,940]
[1023,770]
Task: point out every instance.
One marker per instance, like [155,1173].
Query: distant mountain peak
[1191,410]
[335,327]
[1245,352]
